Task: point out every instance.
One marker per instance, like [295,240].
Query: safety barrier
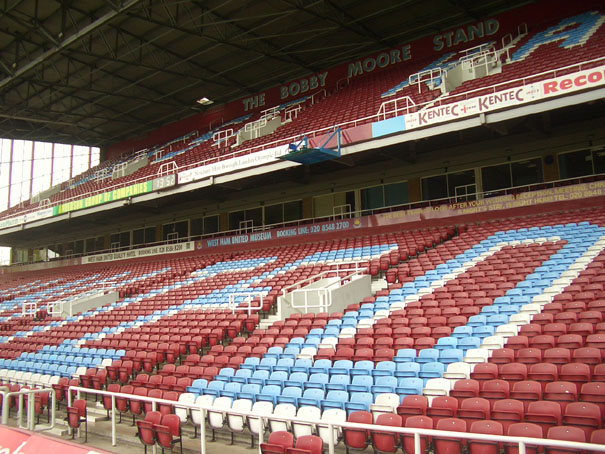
[263,419]
[30,413]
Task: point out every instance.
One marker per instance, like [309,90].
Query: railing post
[203,431]
[261,432]
[5,406]
[330,439]
[417,443]
[521,447]
[113,420]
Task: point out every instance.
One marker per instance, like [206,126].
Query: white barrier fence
[263,419]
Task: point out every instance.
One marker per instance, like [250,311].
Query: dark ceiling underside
[96,72]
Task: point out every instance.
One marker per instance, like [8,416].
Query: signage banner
[537,91]
[288,232]
[234,164]
[504,202]
[105,197]
[144,252]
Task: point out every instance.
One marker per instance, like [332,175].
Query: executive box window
[204,226]
[581,163]
[145,235]
[120,240]
[386,195]
[254,215]
[508,175]
[175,230]
[95,244]
[445,186]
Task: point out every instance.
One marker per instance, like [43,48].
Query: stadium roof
[97,72]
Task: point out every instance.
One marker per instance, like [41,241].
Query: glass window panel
[527,172]
[274,214]
[575,164]
[210,224]
[5,150]
[79,247]
[61,163]
[100,243]
[42,159]
[197,226]
[16,172]
[434,188]
[598,159]
[90,245]
[372,198]
[255,215]
[496,177]
[395,194]
[124,239]
[182,228]
[138,237]
[460,179]
[293,211]
[80,159]
[235,218]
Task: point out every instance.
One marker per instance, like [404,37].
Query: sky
[37,166]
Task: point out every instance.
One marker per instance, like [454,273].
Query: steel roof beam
[69,41]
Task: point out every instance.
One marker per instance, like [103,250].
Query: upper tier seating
[557,44]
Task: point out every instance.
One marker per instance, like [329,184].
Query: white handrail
[233,305]
[262,417]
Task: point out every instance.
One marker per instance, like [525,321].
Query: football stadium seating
[552,50]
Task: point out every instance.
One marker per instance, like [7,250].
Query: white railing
[221,138]
[426,76]
[292,113]
[331,426]
[351,269]
[246,303]
[400,105]
[168,168]
[322,131]
[29,309]
[29,410]
[55,308]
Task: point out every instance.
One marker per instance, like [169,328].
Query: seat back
[449,445]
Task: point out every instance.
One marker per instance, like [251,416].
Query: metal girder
[69,41]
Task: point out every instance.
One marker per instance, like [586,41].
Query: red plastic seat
[168,432]
[357,438]
[543,373]
[562,392]
[526,391]
[523,429]
[449,445]
[474,409]
[420,422]
[76,415]
[465,388]
[567,433]
[307,444]
[442,407]
[584,415]
[388,441]
[412,405]
[507,412]
[146,428]
[544,413]
[485,447]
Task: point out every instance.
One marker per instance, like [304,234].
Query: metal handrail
[30,407]
[331,425]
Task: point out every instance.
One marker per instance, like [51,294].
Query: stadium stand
[478,323]
[529,57]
